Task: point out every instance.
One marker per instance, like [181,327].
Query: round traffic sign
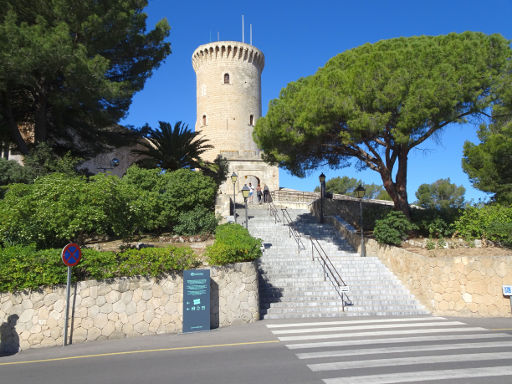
[71,254]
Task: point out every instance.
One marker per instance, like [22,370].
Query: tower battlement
[228,50]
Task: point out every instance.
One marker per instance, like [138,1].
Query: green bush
[156,261]
[41,161]
[59,208]
[393,229]
[198,221]
[25,267]
[233,244]
[489,222]
[167,201]
[435,223]
[183,191]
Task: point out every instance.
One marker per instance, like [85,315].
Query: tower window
[251,120]
[226,78]
[204,120]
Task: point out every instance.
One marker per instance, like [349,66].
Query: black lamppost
[321,178]
[359,192]
[245,194]
[234,178]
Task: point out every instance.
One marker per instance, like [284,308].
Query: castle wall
[225,106]
[228,105]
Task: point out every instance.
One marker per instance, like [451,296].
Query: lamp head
[321,178]
[359,191]
[245,191]
[234,177]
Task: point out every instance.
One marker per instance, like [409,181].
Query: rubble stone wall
[447,285]
[122,307]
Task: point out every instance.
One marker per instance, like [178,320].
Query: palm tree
[172,148]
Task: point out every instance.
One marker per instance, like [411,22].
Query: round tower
[228,105]
[228,96]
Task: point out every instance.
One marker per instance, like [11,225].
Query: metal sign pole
[68,289]
[71,255]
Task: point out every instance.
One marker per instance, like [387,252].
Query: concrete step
[292,284]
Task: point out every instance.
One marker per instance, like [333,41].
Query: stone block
[113,296]
[141,327]
[100,321]
[108,329]
[93,334]
[106,308]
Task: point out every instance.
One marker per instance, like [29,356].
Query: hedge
[25,267]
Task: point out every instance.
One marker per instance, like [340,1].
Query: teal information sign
[196,300]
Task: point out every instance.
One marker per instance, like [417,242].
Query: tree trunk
[398,190]
[14,131]
[40,126]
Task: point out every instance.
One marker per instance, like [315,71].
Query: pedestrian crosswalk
[399,350]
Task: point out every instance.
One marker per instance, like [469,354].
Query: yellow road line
[139,351]
[501,329]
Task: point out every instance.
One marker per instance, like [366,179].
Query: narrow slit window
[251,120]
[204,120]
[226,78]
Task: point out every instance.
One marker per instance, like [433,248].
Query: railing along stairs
[272,210]
[330,271]
[287,220]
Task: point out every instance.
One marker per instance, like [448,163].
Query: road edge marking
[138,351]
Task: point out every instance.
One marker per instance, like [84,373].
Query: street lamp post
[359,192]
[245,194]
[321,178]
[234,178]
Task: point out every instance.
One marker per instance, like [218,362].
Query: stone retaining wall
[122,307]
[446,285]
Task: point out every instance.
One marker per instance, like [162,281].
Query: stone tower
[228,105]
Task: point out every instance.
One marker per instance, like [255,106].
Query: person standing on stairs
[259,193]
[266,194]
[251,193]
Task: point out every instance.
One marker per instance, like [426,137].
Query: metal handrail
[291,230]
[329,269]
[272,210]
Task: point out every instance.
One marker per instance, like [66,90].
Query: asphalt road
[332,351]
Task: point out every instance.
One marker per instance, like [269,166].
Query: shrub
[198,221]
[12,172]
[393,229]
[25,267]
[183,191]
[233,244]
[156,261]
[490,222]
[161,201]
[435,222]
[59,208]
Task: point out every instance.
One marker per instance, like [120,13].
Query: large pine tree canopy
[69,69]
[376,102]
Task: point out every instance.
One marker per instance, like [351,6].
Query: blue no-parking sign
[71,254]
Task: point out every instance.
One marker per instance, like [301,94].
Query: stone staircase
[292,284]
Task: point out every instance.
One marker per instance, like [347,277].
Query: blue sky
[298,37]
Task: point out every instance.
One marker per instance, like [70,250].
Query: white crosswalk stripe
[399,350]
